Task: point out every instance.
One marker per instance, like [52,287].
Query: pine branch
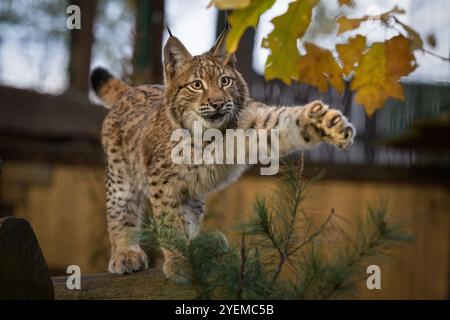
[315,234]
[283,237]
[375,237]
[284,253]
[242,268]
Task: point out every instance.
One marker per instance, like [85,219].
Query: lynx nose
[217,104]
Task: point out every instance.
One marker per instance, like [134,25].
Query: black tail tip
[98,78]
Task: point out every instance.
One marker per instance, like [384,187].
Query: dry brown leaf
[348,3]
[318,68]
[346,24]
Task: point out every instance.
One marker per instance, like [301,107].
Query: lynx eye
[196,85]
[225,81]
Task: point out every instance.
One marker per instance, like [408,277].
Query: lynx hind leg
[124,214]
[330,124]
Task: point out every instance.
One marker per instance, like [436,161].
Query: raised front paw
[330,124]
[128,260]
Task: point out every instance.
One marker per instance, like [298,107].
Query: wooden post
[23,272]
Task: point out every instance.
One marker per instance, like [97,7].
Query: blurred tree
[147,58]
[81,46]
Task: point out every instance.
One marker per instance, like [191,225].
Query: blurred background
[52,165]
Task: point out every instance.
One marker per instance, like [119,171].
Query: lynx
[136,140]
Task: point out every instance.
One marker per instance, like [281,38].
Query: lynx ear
[175,56]
[219,50]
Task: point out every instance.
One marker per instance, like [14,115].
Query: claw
[128,260]
[348,133]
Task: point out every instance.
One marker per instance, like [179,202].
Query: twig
[242,269]
[315,234]
[284,254]
[423,49]
[437,55]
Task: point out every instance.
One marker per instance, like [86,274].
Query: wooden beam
[150,284]
[43,127]
[30,113]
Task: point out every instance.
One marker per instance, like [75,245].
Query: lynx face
[205,88]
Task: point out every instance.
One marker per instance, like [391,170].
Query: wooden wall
[65,205]
[416,271]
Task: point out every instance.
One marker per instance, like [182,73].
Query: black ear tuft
[219,49]
[168,30]
[99,76]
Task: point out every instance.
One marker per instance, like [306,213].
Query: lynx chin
[136,137]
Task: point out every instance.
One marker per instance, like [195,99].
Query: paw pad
[334,121]
[316,108]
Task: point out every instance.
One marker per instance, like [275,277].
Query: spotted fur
[136,140]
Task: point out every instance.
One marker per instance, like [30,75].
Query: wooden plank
[23,272]
[149,284]
[29,114]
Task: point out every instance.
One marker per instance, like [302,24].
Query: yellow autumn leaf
[400,60]
[282,41]
[346,24]
[416,40]
[241,19]
[346,3]
[374,97]
[351,53]
[380,69]
[318,68]
[229,4]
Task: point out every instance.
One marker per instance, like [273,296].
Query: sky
[30,64]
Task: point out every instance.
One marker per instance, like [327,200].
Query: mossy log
[149,284]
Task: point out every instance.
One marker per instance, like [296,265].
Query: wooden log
[145,285]
[23,271]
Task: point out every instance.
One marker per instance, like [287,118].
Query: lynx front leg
[320,123]
[184,220]
[300,127]
[124,219]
